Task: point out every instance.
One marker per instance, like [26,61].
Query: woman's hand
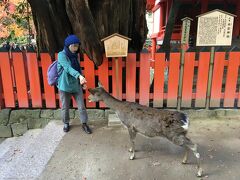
[82,80]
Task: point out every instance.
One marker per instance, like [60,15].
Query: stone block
[220,113]
[108,112]
[200,114]
[4,116]
[93,115]
[5,131]
[19,129]
[47,113]
[37,123]
[233,113]
[17,116]
[113,120]
[33,113]
[58,115]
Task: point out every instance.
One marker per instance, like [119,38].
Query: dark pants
[65,98]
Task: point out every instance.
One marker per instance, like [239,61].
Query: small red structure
[189,8]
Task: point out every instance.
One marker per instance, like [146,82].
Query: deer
[150,122]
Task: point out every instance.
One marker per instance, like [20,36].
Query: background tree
[170,26]
[91,20]
[15,22]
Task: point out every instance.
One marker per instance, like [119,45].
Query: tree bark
[91,21]
[170,26]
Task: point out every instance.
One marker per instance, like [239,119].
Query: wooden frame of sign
[116,45]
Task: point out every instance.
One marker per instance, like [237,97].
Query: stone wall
[17,122]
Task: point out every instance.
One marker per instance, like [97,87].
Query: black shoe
[86,128]
[66,127]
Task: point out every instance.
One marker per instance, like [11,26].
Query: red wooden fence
[23,80]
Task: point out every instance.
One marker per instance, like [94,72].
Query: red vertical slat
[34,80]
[7,80]
[103,76]
[50,96]
[202,79]
[173,78]
[90,77]
[114,84]
[21,83]
[217,78]
[1,92]
[159,67]
[57,95]
[188,74]
[231,81]
[131,77]
[144,81]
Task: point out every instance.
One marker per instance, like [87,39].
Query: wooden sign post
[186,23]
[116,45]
[214,29]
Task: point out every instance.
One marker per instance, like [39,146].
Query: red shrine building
[190,8]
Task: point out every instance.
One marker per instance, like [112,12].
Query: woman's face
[73,48]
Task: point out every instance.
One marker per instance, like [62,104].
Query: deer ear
[100,84]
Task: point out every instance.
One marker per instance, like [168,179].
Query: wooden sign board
[116,45]
[185,30]
[215,28]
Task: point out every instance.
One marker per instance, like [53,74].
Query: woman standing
[71,82]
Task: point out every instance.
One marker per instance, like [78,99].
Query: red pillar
[204,6]
[236,30]
[154,43]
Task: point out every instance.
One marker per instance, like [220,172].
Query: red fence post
[89,73]
[131,66]
[34,79]
[231,81]
[188,79]
[20,77]
[114,83]
[49,91]
[202,79]
[103,76]
[158,92]
[1,93]
[217,79]
[7,81]
[173,78]
[144,79]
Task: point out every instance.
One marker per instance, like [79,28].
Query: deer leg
[193,148]
[185,158]
[132,135]
[182,140]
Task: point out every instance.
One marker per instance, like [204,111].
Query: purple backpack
[53,74]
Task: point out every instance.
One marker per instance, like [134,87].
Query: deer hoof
[184,161]
[199,173]
[132,157]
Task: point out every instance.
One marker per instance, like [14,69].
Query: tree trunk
[91,21]
[170,26]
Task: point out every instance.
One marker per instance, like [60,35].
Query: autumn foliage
[15,21]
